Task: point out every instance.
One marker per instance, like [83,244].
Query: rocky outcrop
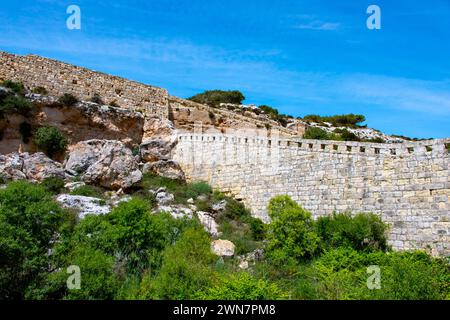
[104,162]
[223,248]
[219,206]
[176,211]
[208,223]
[84,205]
[155,150]
[163,197]
[34,167]
[165,168]
[246,260]
[158,128]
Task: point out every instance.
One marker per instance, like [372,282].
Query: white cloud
[311,22]
[318,25]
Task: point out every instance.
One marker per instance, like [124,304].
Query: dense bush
[53,185]
[269,110]
[133,254]
[13,103]
[364,231]
[291,235]
[50,140]
[347,135]
[186,269]
[316,133]
[68,99]
[342,274]
[345,120]
[214,98]
[29,221]
[242,286]
[16,87]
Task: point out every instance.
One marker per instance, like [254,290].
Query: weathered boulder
[158,140]
[34,167]
[11,166]
[208,223]
[84,205]
[155,150]
[246,260]
[223,248]
[107,163]
[38,166]
[157,128]
[164,197]
[168,169]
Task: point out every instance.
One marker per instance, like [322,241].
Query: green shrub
[269,110]
[242,286]
[68,100]
[26,131]
[347,135]
[345,120]
[50,140]
[258,228]
[342,274]
[29,220]
[53,185]
[364,231]
[291,234]
[96,98]
[16,87]
[17,104]
[214,98]
[181,190]
[316,133]
[186,269]
[98,280]
[40,90]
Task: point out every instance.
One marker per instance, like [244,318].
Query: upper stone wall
[59,78]
[407,184]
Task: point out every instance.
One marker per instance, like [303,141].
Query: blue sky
[302,57]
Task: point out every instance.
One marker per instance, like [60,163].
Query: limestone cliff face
[82,121]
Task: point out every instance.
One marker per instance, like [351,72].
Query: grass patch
[181,190]
[88,191]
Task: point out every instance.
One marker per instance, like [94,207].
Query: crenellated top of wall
[438,147]
[59,78]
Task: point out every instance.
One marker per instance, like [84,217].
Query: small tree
[291,234]
[50,140]
[214,98]
[316,133]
